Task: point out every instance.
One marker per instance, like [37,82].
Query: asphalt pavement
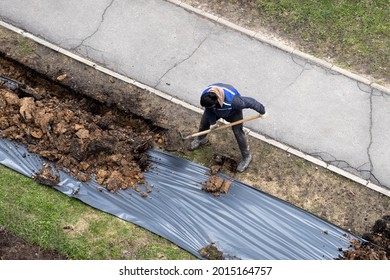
[317,110]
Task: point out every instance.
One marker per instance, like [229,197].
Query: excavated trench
[78,134]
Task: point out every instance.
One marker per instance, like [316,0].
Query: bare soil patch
[89,123]
[15,248]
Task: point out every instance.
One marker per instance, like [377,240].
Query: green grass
[26,46]
[48,218]
[354,33]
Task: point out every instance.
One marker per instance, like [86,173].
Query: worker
[224,101]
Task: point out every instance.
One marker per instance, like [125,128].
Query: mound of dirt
[377,246]
[78,135]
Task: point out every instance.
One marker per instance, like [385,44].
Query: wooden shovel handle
[224,126]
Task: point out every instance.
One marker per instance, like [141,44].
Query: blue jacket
[233,103]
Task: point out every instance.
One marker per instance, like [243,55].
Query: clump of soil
[78,135]
[217,185]
[46,176]
[364,252]
[211,252]
[221,162]
[377,246]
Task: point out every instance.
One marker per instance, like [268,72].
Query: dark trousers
[238,131]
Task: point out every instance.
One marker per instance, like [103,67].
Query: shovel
[220,127]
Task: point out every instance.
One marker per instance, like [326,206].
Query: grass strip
[354,33]
[44,216]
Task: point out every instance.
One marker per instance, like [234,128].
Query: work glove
[264,116]
[213,127]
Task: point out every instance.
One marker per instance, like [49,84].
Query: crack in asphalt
[368,89]
[331,160]
[185,59]
[180,62]
[299,74]
[303,69]
[344,165]
[97,28]
[370,134]
[364,87]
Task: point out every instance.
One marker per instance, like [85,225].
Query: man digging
[224,101]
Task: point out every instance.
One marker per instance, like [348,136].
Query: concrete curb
[258,136]
[276,44]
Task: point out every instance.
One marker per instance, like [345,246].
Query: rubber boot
[196,143]
[246,160]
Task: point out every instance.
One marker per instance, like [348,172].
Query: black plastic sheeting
[245,223]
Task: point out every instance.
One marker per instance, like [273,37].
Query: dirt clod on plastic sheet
[211,252]
[47,176]
[217,185]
